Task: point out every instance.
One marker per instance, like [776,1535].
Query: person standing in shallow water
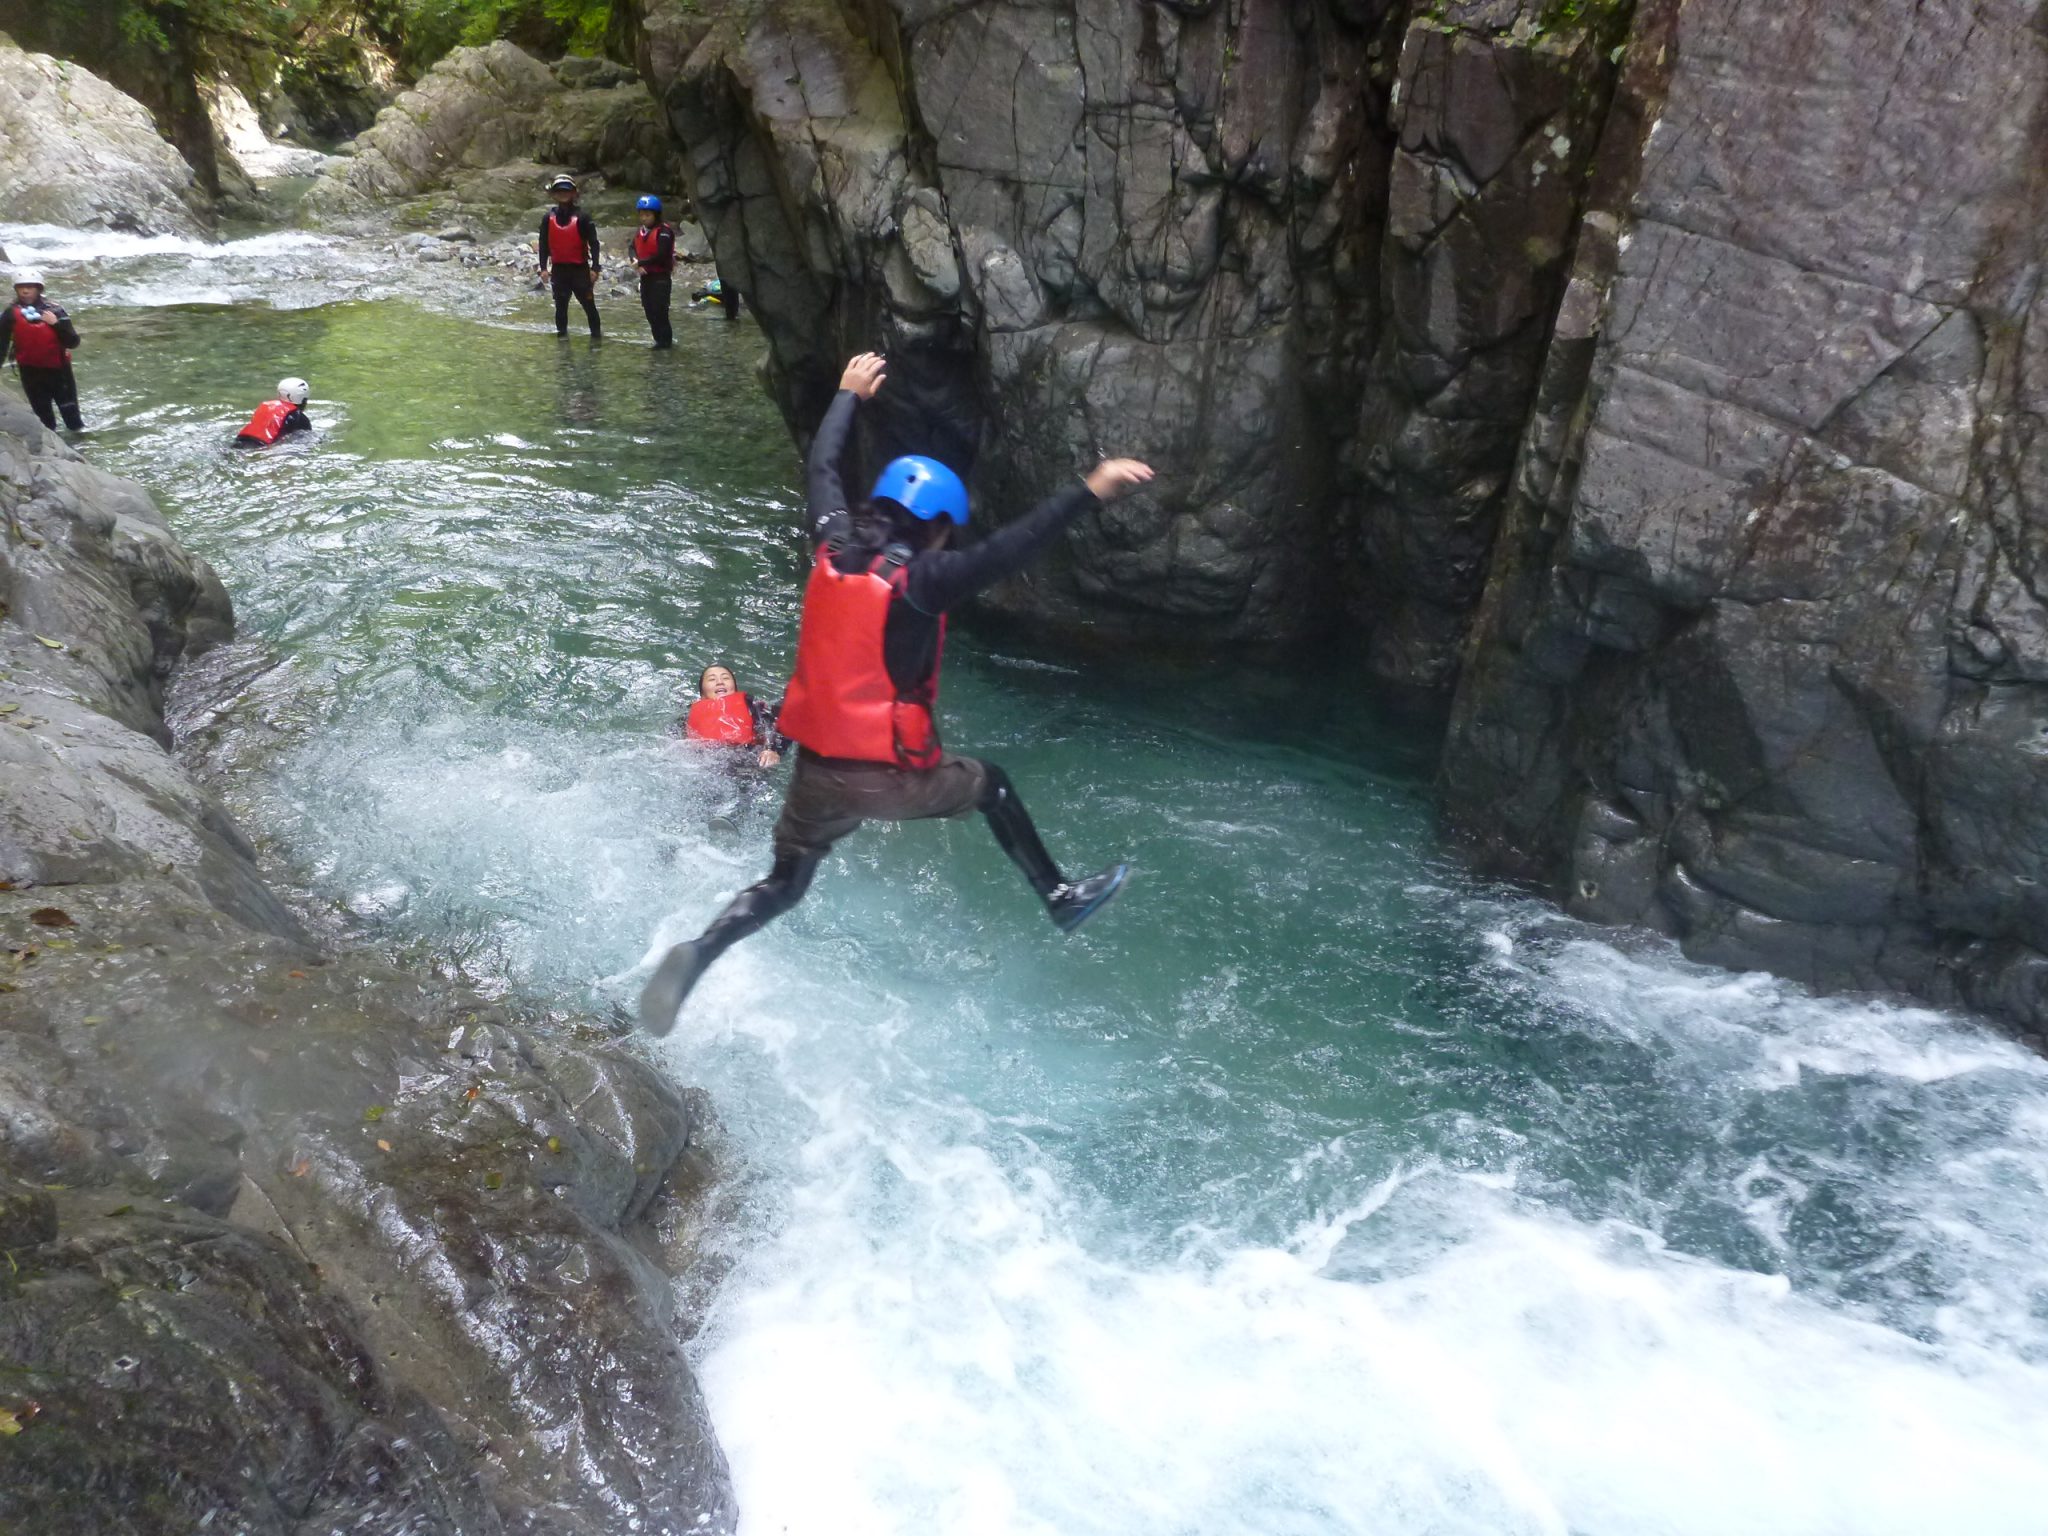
[654,253]
[568,244]
[861,706]
[42,338]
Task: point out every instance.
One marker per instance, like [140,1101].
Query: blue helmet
[924,488]
[648,204]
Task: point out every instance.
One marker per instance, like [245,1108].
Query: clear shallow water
[1314,1189]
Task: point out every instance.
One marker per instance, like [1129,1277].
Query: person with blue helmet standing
[654,253]
[862,705]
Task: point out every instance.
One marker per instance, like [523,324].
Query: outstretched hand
[865,374]
[1112,477]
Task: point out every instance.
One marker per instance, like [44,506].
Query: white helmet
[293,391]
[28,277]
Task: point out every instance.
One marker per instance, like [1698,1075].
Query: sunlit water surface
[1315,1188]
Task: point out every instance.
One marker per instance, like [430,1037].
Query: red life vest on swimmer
[647,246]
[841,703]
[36,343]
[267,425]
[565,246]
[729,720]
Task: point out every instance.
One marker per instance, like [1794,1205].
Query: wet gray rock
[1302,257]
[77,152]
[1762,662]
[414,1258]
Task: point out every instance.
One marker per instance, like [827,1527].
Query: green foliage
[431,27]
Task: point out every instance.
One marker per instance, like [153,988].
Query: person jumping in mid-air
[568,243]
[654,253]
[42,338]
[867,677]
[274,418]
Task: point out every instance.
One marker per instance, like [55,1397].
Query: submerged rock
[75,151]
[415,1260]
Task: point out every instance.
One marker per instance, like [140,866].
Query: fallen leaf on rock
[8,709]
[296,975]
[122,1210]
[473,1091]
[494,1180]
[52,917]
[55,645]
[554,1143]
[300,1168]
[383,1145]
[92,1019]
[374,1112]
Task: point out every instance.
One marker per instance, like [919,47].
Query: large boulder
[480,108]
[413,1258]
[76,152]
[1764,658]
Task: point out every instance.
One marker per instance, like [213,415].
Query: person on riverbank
[274,418]
[715,292]
[738,732]
[568,246]
[654,254]
[41,339]
[862,704]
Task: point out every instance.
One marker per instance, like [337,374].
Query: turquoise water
[1315,1188]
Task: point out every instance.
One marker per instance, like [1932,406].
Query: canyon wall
[1663,383]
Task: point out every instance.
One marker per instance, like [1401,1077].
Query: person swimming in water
[274,418]
[740,731]
[861,706]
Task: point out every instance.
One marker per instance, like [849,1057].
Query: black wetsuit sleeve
[665,251]
[589,228]
[296,420]
[541,245]
[6,330]
[945,578]
[826,511]
[67,333]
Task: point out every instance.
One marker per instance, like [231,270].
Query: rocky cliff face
[292,1240]
[1765,658]
[1702,343]
[1301,256]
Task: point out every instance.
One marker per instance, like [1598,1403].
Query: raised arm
[825,491]
[946,578]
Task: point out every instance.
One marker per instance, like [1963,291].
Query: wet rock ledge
[292,1240]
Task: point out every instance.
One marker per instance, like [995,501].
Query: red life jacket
[267,425]
[729,720]
[647,247]
[841,703]
[36,344]
[565,246]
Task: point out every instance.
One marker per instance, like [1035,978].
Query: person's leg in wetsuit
[67,398]
[829,799]
[42,386]
[654,301]
[574,282]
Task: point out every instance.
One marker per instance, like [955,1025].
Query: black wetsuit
[740,766]
[656,281]
[49,390]
[830,797]
[573,279]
